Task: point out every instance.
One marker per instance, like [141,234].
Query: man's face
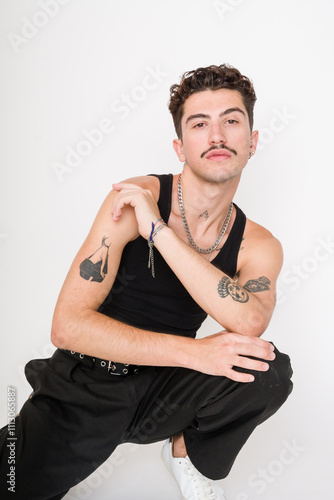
[216,136]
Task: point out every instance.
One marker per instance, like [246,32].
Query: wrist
[185,352]
[154,228]
[162,234]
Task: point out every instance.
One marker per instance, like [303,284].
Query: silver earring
[250,154]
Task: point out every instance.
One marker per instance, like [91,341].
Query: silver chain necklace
[221,233]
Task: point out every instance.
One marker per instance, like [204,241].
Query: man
[128,366]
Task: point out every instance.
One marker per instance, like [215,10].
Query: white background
[62,72]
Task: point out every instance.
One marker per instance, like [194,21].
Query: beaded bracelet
[150,243]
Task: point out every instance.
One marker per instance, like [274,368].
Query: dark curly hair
[210,78]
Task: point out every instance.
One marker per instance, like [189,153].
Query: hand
[142,200]
[219,353]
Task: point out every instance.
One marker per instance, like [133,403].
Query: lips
[218,154]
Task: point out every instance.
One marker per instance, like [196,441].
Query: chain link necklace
[221,232]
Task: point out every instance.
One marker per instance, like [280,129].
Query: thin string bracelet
[150,243]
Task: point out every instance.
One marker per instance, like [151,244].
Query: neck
[211,198]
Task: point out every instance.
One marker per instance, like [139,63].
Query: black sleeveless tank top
[162,304]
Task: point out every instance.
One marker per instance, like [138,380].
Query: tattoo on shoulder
[227,287]
[95,267]
[259,285]
[205,215]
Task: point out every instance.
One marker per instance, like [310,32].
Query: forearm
[206,284]
[94,334]
[97,335]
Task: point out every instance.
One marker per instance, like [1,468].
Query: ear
[178,148]
[254,141]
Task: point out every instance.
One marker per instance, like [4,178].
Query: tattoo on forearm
[227,287]
[205,215]
[95,267]
[238,293]
[258,285]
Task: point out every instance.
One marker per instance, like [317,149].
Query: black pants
[77,415]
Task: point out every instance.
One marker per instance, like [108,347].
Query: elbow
[63,328]
[256,324]
[59,338]
[67,327]
[253,325]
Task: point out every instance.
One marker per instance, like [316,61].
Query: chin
[219,177]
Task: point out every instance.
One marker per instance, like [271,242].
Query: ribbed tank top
[162,304]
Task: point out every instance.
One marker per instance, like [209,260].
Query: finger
[118,186]
[251,364]
[253,346]
[255,351]
[117,207]
[123,198]
[254,340]
[239,377]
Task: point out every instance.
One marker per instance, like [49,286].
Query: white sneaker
[193,485]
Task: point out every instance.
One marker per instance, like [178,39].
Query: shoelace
[202,484]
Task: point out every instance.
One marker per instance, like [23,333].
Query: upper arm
[94,269]
[95,266]
[260,269]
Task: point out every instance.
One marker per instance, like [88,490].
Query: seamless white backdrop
[72,66]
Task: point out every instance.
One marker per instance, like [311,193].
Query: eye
[199,125]
[231,121]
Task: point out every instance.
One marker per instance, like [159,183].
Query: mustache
[221,146]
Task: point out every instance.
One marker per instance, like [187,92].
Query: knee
[276,384]
[283,371]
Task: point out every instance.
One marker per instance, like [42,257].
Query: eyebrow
[224,113]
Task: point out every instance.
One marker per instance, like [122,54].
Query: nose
[216,134]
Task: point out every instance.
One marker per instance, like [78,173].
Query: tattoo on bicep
[205,215]
[95,267]
[259,285]
[227,287]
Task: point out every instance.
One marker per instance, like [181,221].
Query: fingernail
[272,356]
[251,378]
[265,366]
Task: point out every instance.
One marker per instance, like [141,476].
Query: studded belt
[121,369]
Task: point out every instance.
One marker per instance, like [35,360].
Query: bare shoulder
[259,243]
[257,233]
